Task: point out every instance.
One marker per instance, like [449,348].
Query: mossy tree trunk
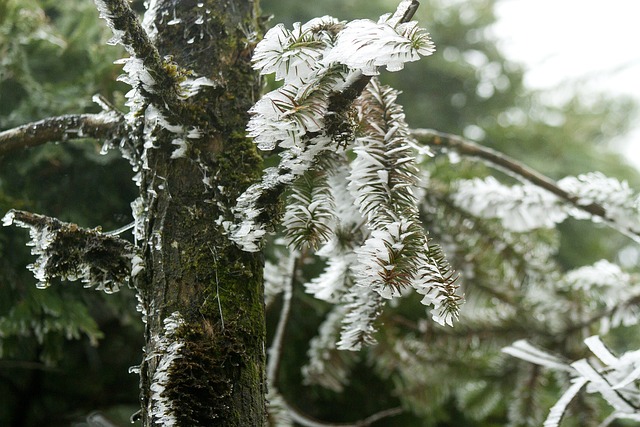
[203,297]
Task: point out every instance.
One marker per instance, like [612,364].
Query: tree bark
[202,297]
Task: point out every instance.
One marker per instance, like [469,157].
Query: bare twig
[62,128]
[307,421]
[275,351]
[445,141]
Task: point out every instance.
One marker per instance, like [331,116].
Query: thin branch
[62,128]
[445,141]
[307,421]
[275,351]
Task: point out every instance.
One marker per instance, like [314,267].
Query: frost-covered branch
[147,72]
[445,142]
[325,65]
[614,378]
[70,252]
[103,126]
[577,192]
[128,31]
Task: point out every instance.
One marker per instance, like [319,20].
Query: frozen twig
[70,252]
[275,351]
[99,126]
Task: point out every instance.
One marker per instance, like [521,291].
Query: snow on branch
[540,202]
[103,126]
[614,378]
[310,115]
[70,252]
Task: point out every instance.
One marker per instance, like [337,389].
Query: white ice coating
[526,207]
[148,21]
[137,265]
[167,348]
[621,203]
[8,218]
[358,323]
[191,87]
[309,63]
[321,367]
[42,237]
[520,208]
[334,281]
[366,45]
[613,377]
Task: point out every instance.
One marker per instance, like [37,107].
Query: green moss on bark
[219,378]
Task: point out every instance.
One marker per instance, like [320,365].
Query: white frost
[7,219]
[168,350]
[366,45]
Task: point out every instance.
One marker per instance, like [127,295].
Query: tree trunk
[202,297]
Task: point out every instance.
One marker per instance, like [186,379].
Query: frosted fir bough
[526,207]
[361,214]
[599,295]
[614,378]
[70,252]
[299,116]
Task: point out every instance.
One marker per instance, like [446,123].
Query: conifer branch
[444,142]
[340,102]
[63,128]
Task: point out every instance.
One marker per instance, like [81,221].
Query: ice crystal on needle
[315,65]
[362,211]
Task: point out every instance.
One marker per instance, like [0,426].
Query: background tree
[437,374]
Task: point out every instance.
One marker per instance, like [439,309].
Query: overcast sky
[593,43]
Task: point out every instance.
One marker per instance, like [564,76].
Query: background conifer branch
[441,141]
